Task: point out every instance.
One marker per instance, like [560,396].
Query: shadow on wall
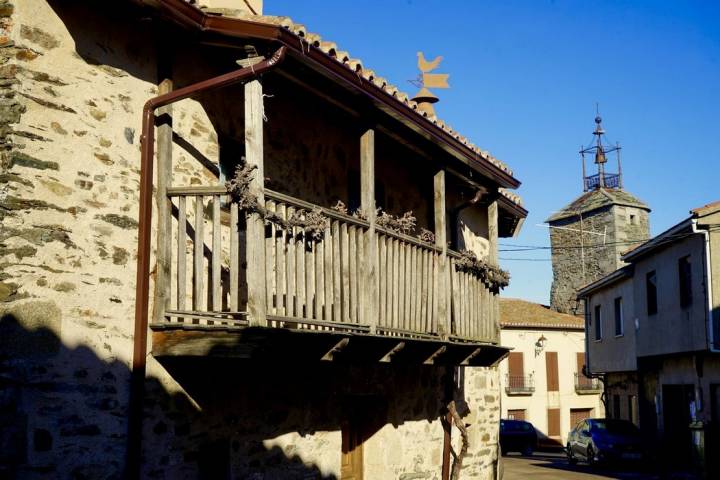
[63,414]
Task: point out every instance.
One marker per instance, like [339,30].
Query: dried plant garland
[491,274]
[313,223]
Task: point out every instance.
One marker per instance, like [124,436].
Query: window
[619,324]
[685,277]
[516,415]
[578,415]
[651,292]
[632,219]
[598,323]
[553,415]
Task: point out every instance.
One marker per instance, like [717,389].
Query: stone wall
[588,247]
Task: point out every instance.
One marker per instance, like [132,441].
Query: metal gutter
[709,330]
[142,282]
[191,17]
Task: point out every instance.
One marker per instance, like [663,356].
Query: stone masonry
[587,239]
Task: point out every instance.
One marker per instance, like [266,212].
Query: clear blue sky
[525,77]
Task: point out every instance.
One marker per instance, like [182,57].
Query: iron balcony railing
[584,384]
[611,180]
[519,384]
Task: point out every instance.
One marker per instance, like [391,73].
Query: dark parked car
[604,440]
[517,436]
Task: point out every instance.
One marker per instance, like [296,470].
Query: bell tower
[588,236]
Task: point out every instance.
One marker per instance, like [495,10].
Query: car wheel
[591,456]
[570,455]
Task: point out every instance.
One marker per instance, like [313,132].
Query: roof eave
[658,241]
[191,17]
[606,281]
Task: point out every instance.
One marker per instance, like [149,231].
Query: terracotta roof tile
[521,313]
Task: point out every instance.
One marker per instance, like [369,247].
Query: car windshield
[515,426]
[614,427]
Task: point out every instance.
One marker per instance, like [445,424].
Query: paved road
[552,466]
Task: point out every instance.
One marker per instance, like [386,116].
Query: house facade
[652,331]
[542,379]
[231,250]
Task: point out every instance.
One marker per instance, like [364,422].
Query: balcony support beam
[255,223]
[164,204]
[443,310]
[369,265]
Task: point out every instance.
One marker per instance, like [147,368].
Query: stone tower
[588,236]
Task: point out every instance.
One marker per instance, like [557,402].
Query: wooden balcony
[405,298]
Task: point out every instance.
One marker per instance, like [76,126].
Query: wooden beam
[255,223]
[337,348]
[443,310]
[389,356]
[370,263]
[164,175]
[432,358]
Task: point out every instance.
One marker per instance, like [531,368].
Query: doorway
[676,400]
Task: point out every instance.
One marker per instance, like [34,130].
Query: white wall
[567,344]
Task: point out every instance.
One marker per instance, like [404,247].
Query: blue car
[599,440]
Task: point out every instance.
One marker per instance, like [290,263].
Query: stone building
[195,280]
[588,236]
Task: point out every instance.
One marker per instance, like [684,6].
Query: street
[553,466]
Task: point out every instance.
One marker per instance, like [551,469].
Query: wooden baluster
[455,300]
[353,272]
[363,280]
[198,256]
[412,287]
[401,284]
[291,267]
[281,281]
[234,258]
[337,278]
[181,255]
[309,246]
[395,283]
[300,270]
[382,279]
[216,255]
[426,327]
[270,261]
[328,274]
[345,272]
[319,278]
[435,278]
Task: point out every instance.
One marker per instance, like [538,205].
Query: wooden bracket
[339,347]
[431,359]
[388,357]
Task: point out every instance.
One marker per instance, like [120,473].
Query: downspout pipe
[709,331]
[142,282]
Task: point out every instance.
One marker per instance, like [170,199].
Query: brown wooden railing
[318,283]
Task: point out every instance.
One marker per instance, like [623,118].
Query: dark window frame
[685,281]
[651,292]
[619,317]
[597,318]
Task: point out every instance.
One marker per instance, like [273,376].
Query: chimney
[253,7]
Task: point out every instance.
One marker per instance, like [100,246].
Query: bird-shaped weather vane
[425,98]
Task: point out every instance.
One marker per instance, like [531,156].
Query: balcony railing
[519,384]
[585,385]
[318,284]
[610,180]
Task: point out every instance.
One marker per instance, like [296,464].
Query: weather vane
[425,98]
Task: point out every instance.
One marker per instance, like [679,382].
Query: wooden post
[369,264]
[443,312]
[164,205]
[255,223]
[494,313]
